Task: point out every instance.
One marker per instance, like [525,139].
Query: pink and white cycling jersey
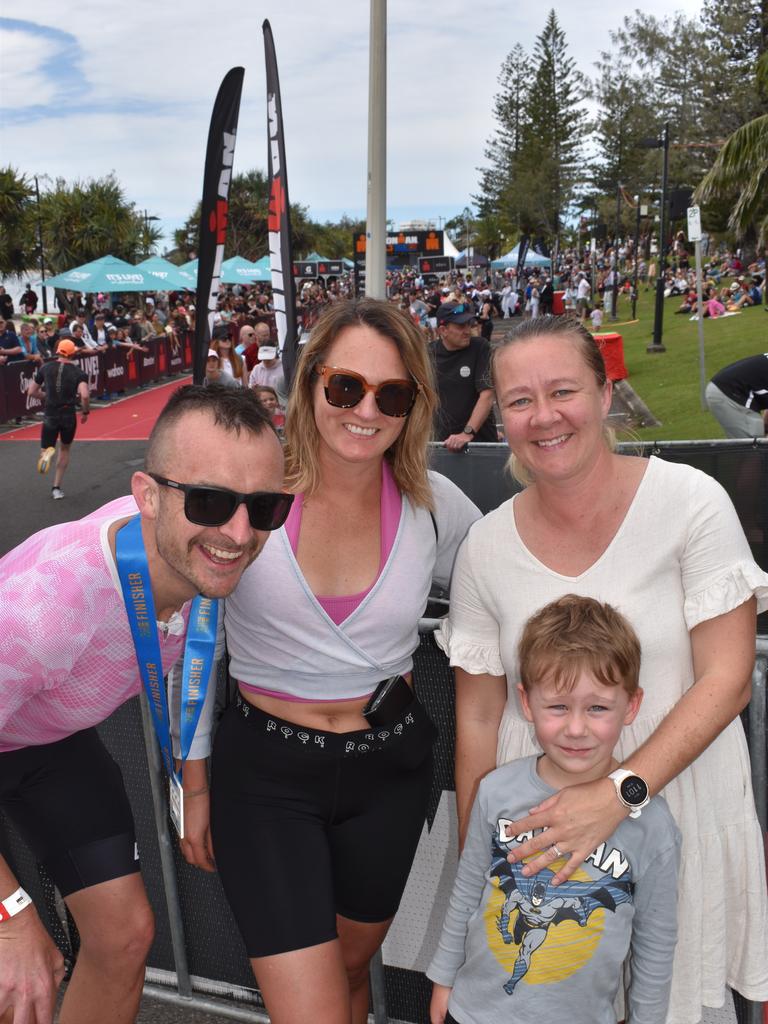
[67,659]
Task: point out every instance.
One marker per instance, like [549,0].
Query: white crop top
[280,638]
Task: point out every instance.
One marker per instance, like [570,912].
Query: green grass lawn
[669,382]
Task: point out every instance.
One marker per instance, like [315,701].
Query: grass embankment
[669,382]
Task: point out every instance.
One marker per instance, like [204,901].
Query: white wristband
[16,902]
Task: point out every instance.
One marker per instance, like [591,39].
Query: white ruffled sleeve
[718,570]
[470,634]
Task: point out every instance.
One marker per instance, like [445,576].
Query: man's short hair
[235,409]
[576,634]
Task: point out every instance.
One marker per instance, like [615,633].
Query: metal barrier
[198,955]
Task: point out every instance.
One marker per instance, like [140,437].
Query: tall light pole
[658,315]
[40,245]
[147,219]
[376,217]
[467,214]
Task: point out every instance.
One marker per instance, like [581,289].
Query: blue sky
[87,88]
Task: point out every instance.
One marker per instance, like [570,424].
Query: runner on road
[61,383]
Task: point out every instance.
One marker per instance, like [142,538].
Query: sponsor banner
[305,270]
[219,157]
[417,243]
[174,354]
[149,362]
[436,265]
[115,370]
[279,218]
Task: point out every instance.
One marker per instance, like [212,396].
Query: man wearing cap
[462,370]
[61,383]
[70,658]
[269,373]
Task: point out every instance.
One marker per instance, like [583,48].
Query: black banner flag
[279,219]
[219,157]
[522,252]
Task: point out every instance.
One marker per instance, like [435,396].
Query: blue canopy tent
[510,259]
[238,270]
[169,276]
[108,274]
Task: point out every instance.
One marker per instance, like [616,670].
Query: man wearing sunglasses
[206,502]
[462,371]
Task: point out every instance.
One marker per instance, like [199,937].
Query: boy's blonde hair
[575,634]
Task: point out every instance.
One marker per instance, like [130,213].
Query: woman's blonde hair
[561,327]
[408,455]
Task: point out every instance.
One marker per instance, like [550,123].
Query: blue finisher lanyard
[133,570]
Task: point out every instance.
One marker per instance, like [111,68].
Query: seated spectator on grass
[688,304]
[713,307]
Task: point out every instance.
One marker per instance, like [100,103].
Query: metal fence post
[165,844]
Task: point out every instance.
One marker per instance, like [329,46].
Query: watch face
[634,791]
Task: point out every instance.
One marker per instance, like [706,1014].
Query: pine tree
[558,123]
[510,110]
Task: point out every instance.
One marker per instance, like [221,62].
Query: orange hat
[66,348]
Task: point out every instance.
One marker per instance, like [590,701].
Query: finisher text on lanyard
[133,570]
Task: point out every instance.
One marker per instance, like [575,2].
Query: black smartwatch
[631,790]
[469,430]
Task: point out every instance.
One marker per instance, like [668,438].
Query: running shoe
[45,460]
[56,493]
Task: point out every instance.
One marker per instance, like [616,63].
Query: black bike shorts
[61,423]
[68,801]
[307,825]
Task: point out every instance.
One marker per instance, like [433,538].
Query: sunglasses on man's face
[215,506]
[345,389]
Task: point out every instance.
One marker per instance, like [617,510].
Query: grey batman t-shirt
[522,950]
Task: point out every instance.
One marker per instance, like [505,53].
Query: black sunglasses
[345,389]
[214,506]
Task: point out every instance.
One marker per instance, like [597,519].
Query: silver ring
[557,850]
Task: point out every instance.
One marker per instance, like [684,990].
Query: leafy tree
[247,233]
[87,220]
[17,224]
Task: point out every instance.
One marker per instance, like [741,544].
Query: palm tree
[742,167]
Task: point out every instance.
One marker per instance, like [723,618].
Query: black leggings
[307,825]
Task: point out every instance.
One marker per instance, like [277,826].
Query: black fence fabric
[214,947]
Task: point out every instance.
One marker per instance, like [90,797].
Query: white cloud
[22,81]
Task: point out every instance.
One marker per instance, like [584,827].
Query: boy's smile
[577,729]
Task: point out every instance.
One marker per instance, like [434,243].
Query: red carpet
[126,419]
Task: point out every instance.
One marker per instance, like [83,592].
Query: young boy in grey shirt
[516,948]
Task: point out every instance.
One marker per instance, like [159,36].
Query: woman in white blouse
[662,543]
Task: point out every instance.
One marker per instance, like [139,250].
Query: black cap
[220,331]
[456,313]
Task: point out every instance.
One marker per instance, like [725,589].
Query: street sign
[694,224]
